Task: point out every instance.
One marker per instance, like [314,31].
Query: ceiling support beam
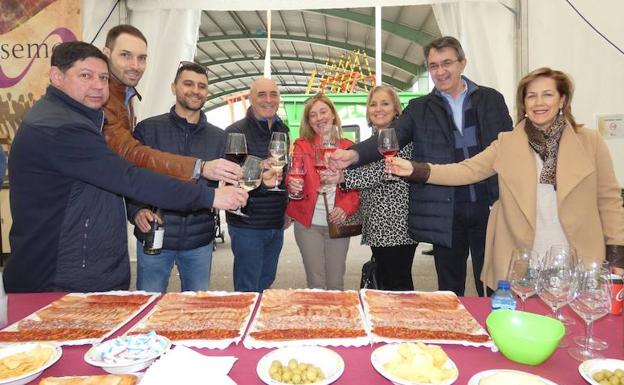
[394,61]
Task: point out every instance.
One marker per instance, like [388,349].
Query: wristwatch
[197,170]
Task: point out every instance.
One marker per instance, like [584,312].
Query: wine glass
[591,300]
[571,252]
[388,146]
[556,281]
[236,151]
[251,177]
[523,273]
[236,148]
[330,138]
[297,170]
[320,164]
[595,343]
[278,150]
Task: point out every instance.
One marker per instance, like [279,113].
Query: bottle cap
[503,284]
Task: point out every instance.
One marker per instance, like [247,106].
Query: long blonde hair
[306,131]
[564,85]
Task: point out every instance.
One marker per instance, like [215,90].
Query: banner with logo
[29,29]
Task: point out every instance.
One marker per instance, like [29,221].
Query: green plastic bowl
[524,337]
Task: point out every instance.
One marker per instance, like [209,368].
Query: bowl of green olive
[300,365]
[603,371]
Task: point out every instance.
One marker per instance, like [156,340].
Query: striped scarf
[546,144]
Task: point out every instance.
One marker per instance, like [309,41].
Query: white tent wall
[560,39]
[172,37]
[487,33]
[94,12]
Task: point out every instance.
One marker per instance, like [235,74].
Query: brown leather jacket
[118,134]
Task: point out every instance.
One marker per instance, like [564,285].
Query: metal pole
[378,73]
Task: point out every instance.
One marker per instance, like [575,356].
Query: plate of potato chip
[414,364]
[22,363]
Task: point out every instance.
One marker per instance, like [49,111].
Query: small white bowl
[589,367]
[329,361]
[97,355]
[30,376]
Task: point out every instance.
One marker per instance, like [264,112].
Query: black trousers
[394,266]
[469,228]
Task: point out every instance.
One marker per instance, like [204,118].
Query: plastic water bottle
[503,298]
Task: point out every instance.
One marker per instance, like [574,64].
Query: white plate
[474,380]
[27,377]
[329,361]
[589,367]
[129,365]
[384,353]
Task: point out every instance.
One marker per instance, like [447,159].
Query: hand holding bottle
[144,218]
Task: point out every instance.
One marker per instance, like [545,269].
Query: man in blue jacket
[456,121]
[188,235]
[67,186]
[258,238]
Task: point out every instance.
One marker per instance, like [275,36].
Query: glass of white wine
[523,273]
[252,176]
[278,149]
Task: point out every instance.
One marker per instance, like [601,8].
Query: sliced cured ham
[421,316]
[77,317]
[203,319]
[328,317]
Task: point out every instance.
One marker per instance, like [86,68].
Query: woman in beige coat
[556,180]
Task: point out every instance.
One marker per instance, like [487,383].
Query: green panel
[347,105]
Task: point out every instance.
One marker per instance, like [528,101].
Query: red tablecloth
[560,368]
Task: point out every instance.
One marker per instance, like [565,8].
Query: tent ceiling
[232,44]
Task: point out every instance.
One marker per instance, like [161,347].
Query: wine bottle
[153,241]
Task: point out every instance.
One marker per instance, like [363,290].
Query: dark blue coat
[265,208]
[171,133]
[427,122]
[67,188]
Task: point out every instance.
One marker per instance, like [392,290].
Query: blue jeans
[256,252]
[194,266]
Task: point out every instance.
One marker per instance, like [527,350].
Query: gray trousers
[324,258]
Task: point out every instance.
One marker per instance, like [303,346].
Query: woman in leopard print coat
[384,204]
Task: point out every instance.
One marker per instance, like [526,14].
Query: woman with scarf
[556,180]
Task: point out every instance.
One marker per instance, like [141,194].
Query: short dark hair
[190,66]
[114,33]
[64,55]
[445,42]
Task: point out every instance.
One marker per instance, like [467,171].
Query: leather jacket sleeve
[119,138]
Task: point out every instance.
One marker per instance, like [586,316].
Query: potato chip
[24,362]
[417,362]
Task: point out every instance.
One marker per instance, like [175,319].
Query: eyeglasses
[446,64]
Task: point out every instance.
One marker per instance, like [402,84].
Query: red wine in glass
[388,153]
[236,157]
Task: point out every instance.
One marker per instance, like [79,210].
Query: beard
[182,102]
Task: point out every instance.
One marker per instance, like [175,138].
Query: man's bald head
[265,98]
